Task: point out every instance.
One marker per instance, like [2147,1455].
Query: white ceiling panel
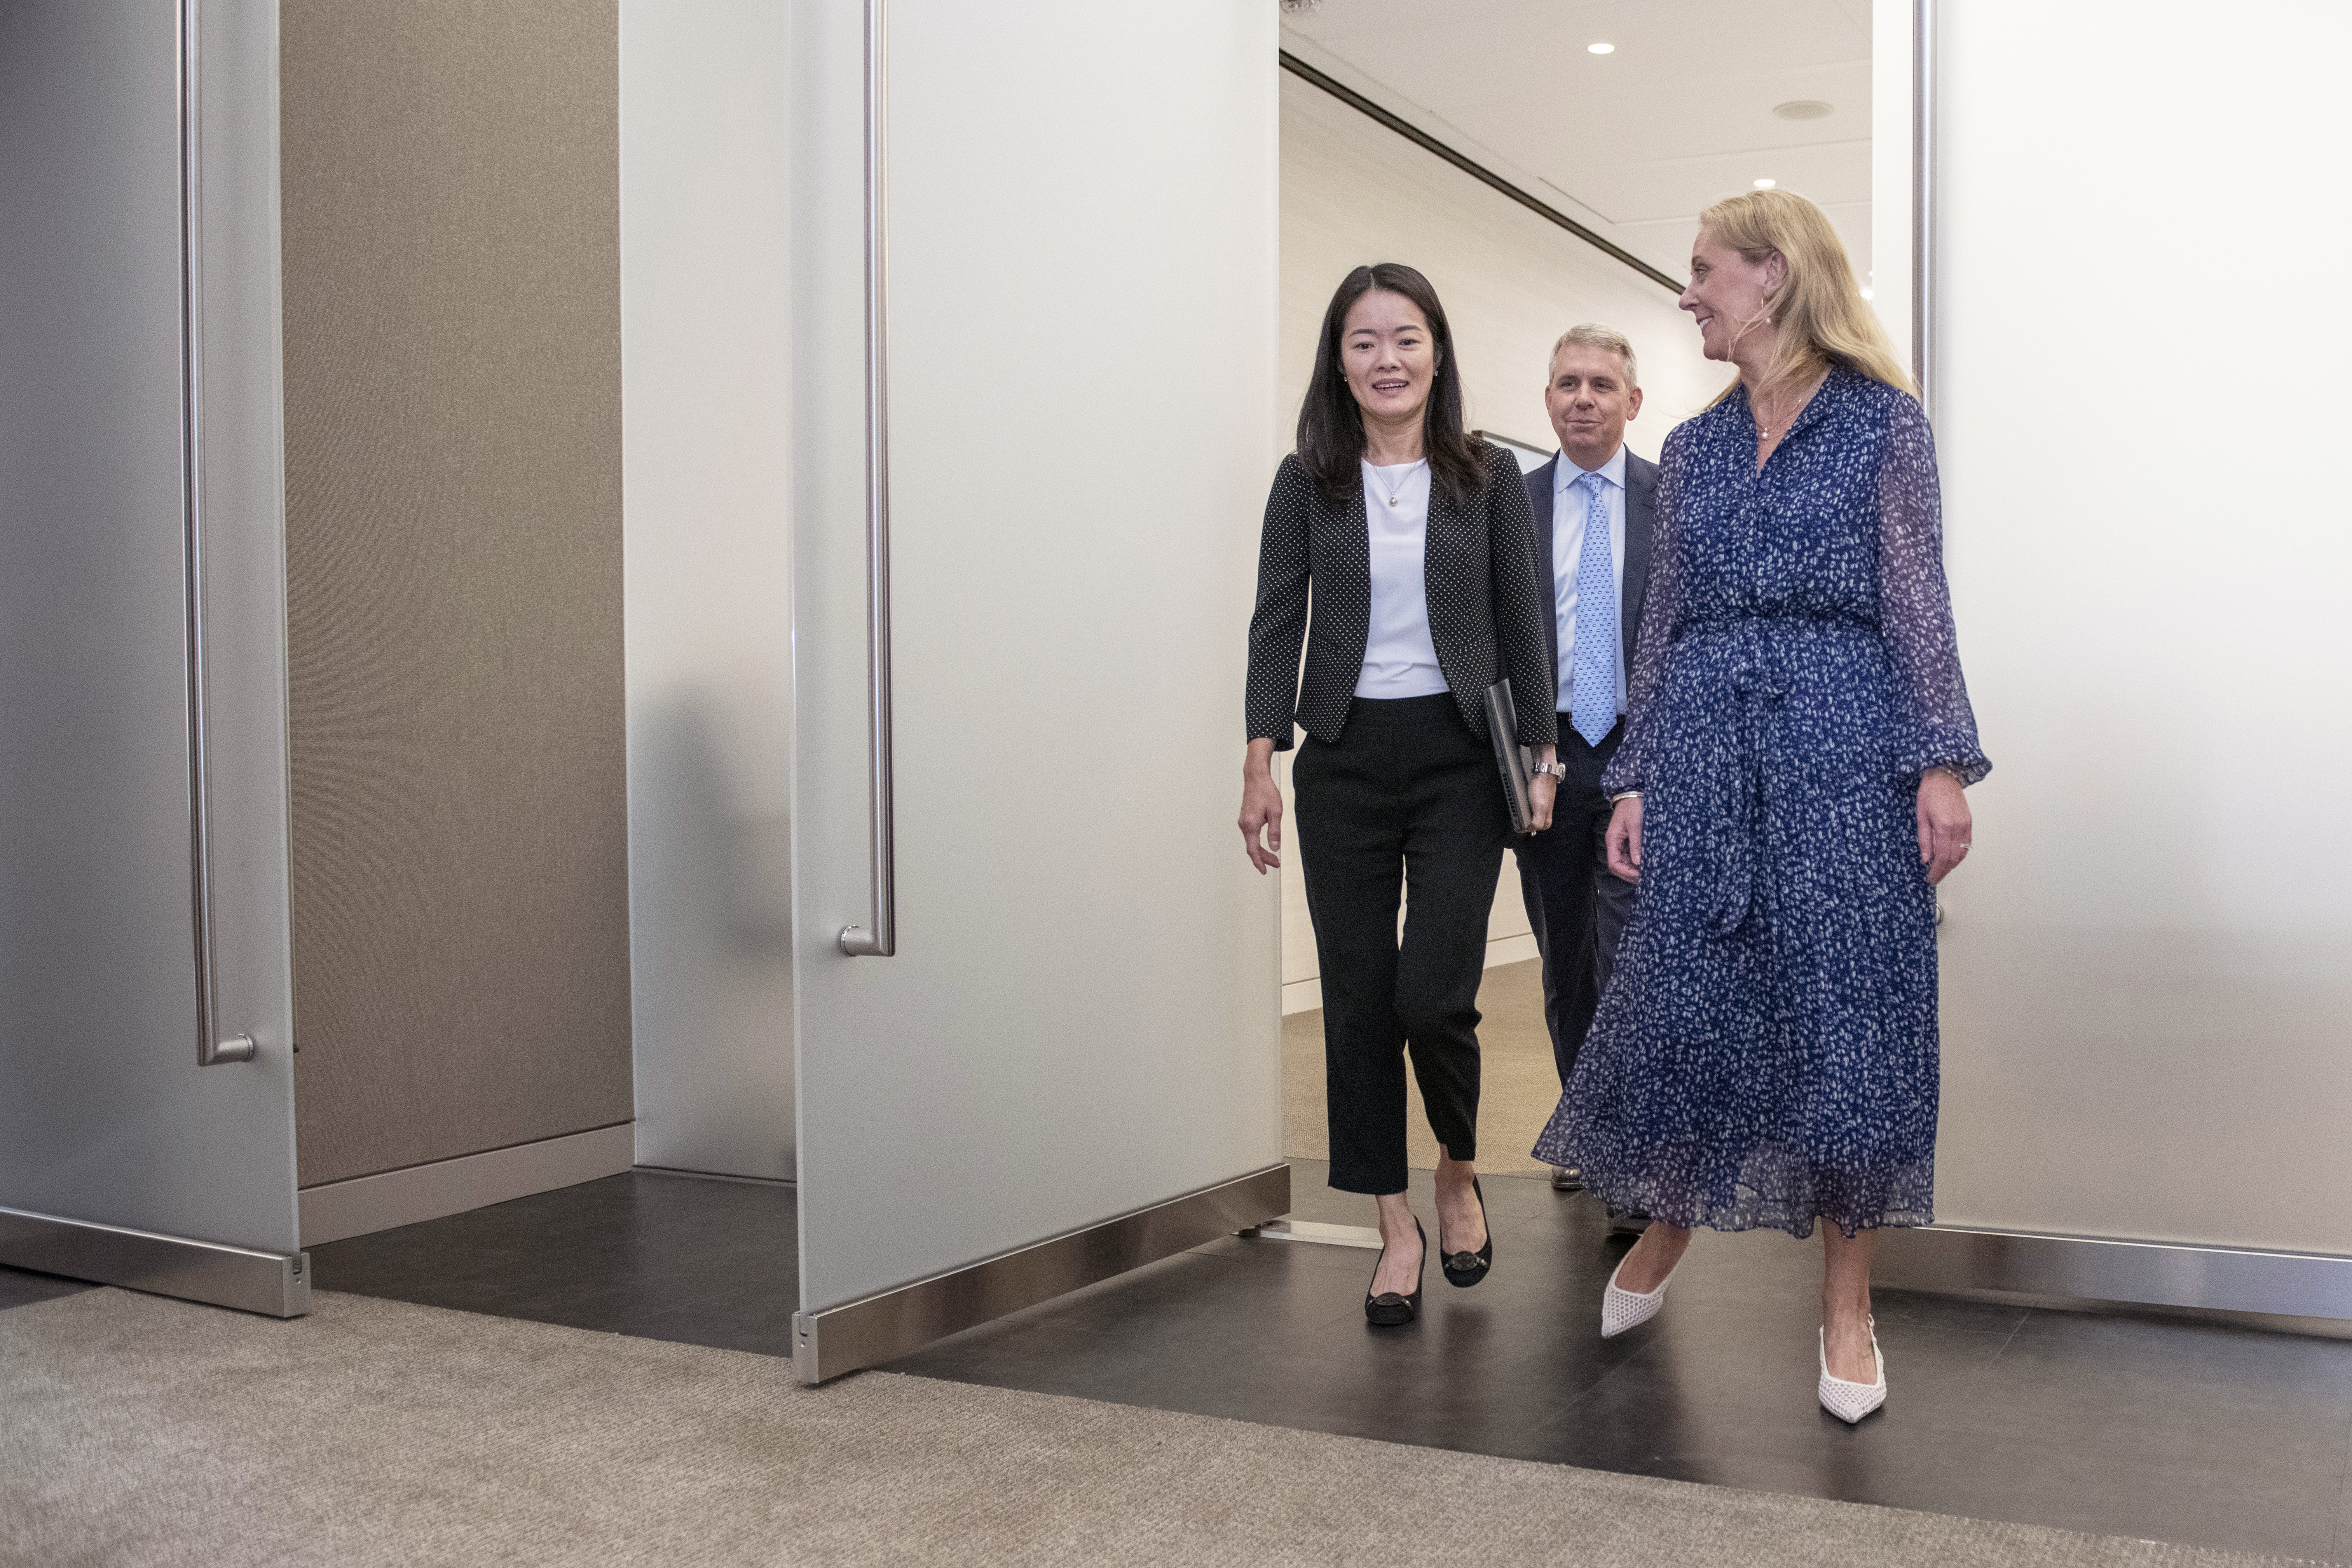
[1640,140]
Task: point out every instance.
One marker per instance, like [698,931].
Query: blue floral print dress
[1767,1052]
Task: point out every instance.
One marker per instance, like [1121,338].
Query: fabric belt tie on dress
[1759,697]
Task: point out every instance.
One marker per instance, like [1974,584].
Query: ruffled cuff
[1622,773]
[1957,755]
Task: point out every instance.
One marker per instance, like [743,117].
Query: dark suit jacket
[1488,605]
[1641,515]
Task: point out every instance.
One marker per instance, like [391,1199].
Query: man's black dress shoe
[1566,1179]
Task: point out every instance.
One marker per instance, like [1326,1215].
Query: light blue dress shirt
[1568,552]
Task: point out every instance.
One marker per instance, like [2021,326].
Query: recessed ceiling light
[1766,184]
[1803,108]
[1599,48]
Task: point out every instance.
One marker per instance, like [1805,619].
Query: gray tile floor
[662,1257]
[2155,1428]
[2158,1429]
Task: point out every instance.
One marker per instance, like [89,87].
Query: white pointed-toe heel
[1849,1402]
[1623,1309]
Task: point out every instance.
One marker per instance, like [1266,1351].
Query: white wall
[705,281]
[2148,963]
[1354,191]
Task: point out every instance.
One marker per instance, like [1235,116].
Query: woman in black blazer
[1419,545]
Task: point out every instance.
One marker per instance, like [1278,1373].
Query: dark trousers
[1576,906]
[1406,801]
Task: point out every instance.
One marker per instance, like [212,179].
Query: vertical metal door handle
[879,940]
[212,1045]
[1923,198]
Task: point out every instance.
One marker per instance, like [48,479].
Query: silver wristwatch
[1556,770]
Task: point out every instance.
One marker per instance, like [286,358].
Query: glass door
[1035,374]
[146,1076]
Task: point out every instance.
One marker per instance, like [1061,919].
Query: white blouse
[1400,659]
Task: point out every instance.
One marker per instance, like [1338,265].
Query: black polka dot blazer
[1487,605]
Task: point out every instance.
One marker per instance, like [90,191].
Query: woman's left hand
[1944,825]
[1541,790]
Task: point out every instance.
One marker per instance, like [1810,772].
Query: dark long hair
[1330,426]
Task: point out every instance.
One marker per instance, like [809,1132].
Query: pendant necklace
[1756,408]
[1399,492]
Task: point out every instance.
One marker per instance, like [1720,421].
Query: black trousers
[1406,801]
[1576,906]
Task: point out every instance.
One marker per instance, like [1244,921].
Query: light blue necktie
[1592,668]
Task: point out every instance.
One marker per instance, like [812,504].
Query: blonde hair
[1818,309]
[1592,335]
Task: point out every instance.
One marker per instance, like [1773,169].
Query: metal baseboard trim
[363,1204]
[2207,1317]
[889,1324]
[1362,1235]
[2012,1265]
[267,1282]
[681,1172]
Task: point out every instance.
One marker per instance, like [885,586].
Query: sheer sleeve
[1279,625]
[1934,726]
[1661,608]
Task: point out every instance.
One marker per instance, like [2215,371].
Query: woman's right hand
[1261,807]
[1625,838]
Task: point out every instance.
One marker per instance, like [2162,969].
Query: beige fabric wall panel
[453,413]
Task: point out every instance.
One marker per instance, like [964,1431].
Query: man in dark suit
[1593,505]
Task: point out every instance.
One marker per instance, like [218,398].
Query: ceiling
[1636,142]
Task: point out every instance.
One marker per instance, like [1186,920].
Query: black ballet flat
[1387,1309]
[1464,1270]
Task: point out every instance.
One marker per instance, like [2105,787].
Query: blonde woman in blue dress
[1787,795]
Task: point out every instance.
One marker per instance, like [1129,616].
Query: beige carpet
[137,1431]
[1519,1086]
